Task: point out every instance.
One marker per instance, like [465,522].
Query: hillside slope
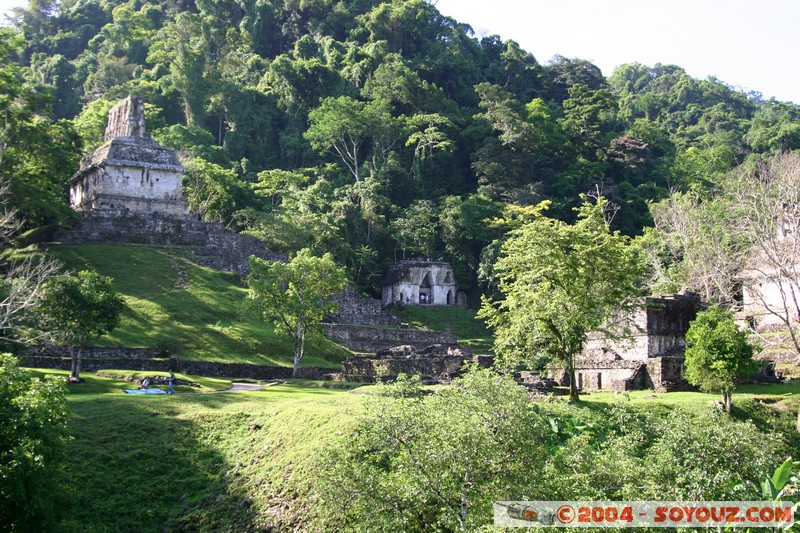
[192,312]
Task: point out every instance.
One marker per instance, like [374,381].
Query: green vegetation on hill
[471,331]
[371,129]
[197,462]
[240,462]
[190,311]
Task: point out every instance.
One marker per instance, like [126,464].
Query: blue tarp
[145,391]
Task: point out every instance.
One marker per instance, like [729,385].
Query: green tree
[718,353]
[295,295]
[77,307]
[33,426]
[183,47]
[436,462]
[355,132]
[561,282]
[415,230]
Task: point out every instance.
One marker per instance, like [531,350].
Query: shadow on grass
[136,465]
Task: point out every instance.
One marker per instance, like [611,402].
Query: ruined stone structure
[208,244]
[421,282]
[130,192]
[355,309]
[129,172]
[653,358]
[365,339]
[434,364]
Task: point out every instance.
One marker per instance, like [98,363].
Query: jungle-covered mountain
[372,129]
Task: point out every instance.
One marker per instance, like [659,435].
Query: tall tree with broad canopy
[77,307]
[560,282]
[295,295]
[718,353]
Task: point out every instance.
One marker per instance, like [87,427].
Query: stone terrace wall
[354,309]
[101,352]
[196,368]
[667,374]
[435,367]
[208,244]
[372,340]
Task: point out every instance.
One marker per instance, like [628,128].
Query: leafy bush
[435,461]
[33,428]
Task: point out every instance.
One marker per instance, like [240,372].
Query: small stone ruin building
[421,282]
[129,172]
[652,359]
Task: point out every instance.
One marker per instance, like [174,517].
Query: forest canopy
[373,130]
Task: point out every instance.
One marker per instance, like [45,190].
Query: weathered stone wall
[667,374]
[417,281]
[207,244]
[373,339]
[354,309]
[126,118]
[127,188]
[434,364]
[196,368]
[661,329]
[595,374]
[433,368]
[101,352]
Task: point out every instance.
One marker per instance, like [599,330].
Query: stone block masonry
[129,171]
[355,309]
[194,368]
[362,339]
[208,244]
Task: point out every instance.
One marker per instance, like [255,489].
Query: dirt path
[244,387]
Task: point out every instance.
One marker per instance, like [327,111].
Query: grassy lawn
[770,393]
[206,462]
[192,312]
[246,461]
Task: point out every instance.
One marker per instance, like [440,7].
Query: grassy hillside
[191,311]
[195,462]
[249,461]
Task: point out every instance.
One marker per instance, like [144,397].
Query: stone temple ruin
[129,190]
[129,172]
[652,359]
[421,282]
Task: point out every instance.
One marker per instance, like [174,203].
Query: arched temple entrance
[425,292]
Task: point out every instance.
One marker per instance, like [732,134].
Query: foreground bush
[420,462]
[33,427]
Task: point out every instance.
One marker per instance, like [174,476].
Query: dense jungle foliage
[371,129]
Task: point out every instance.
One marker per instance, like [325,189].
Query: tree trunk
[73,368]
[727,400]
[297,358]
[299,348]
[76,361]
[573,386]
